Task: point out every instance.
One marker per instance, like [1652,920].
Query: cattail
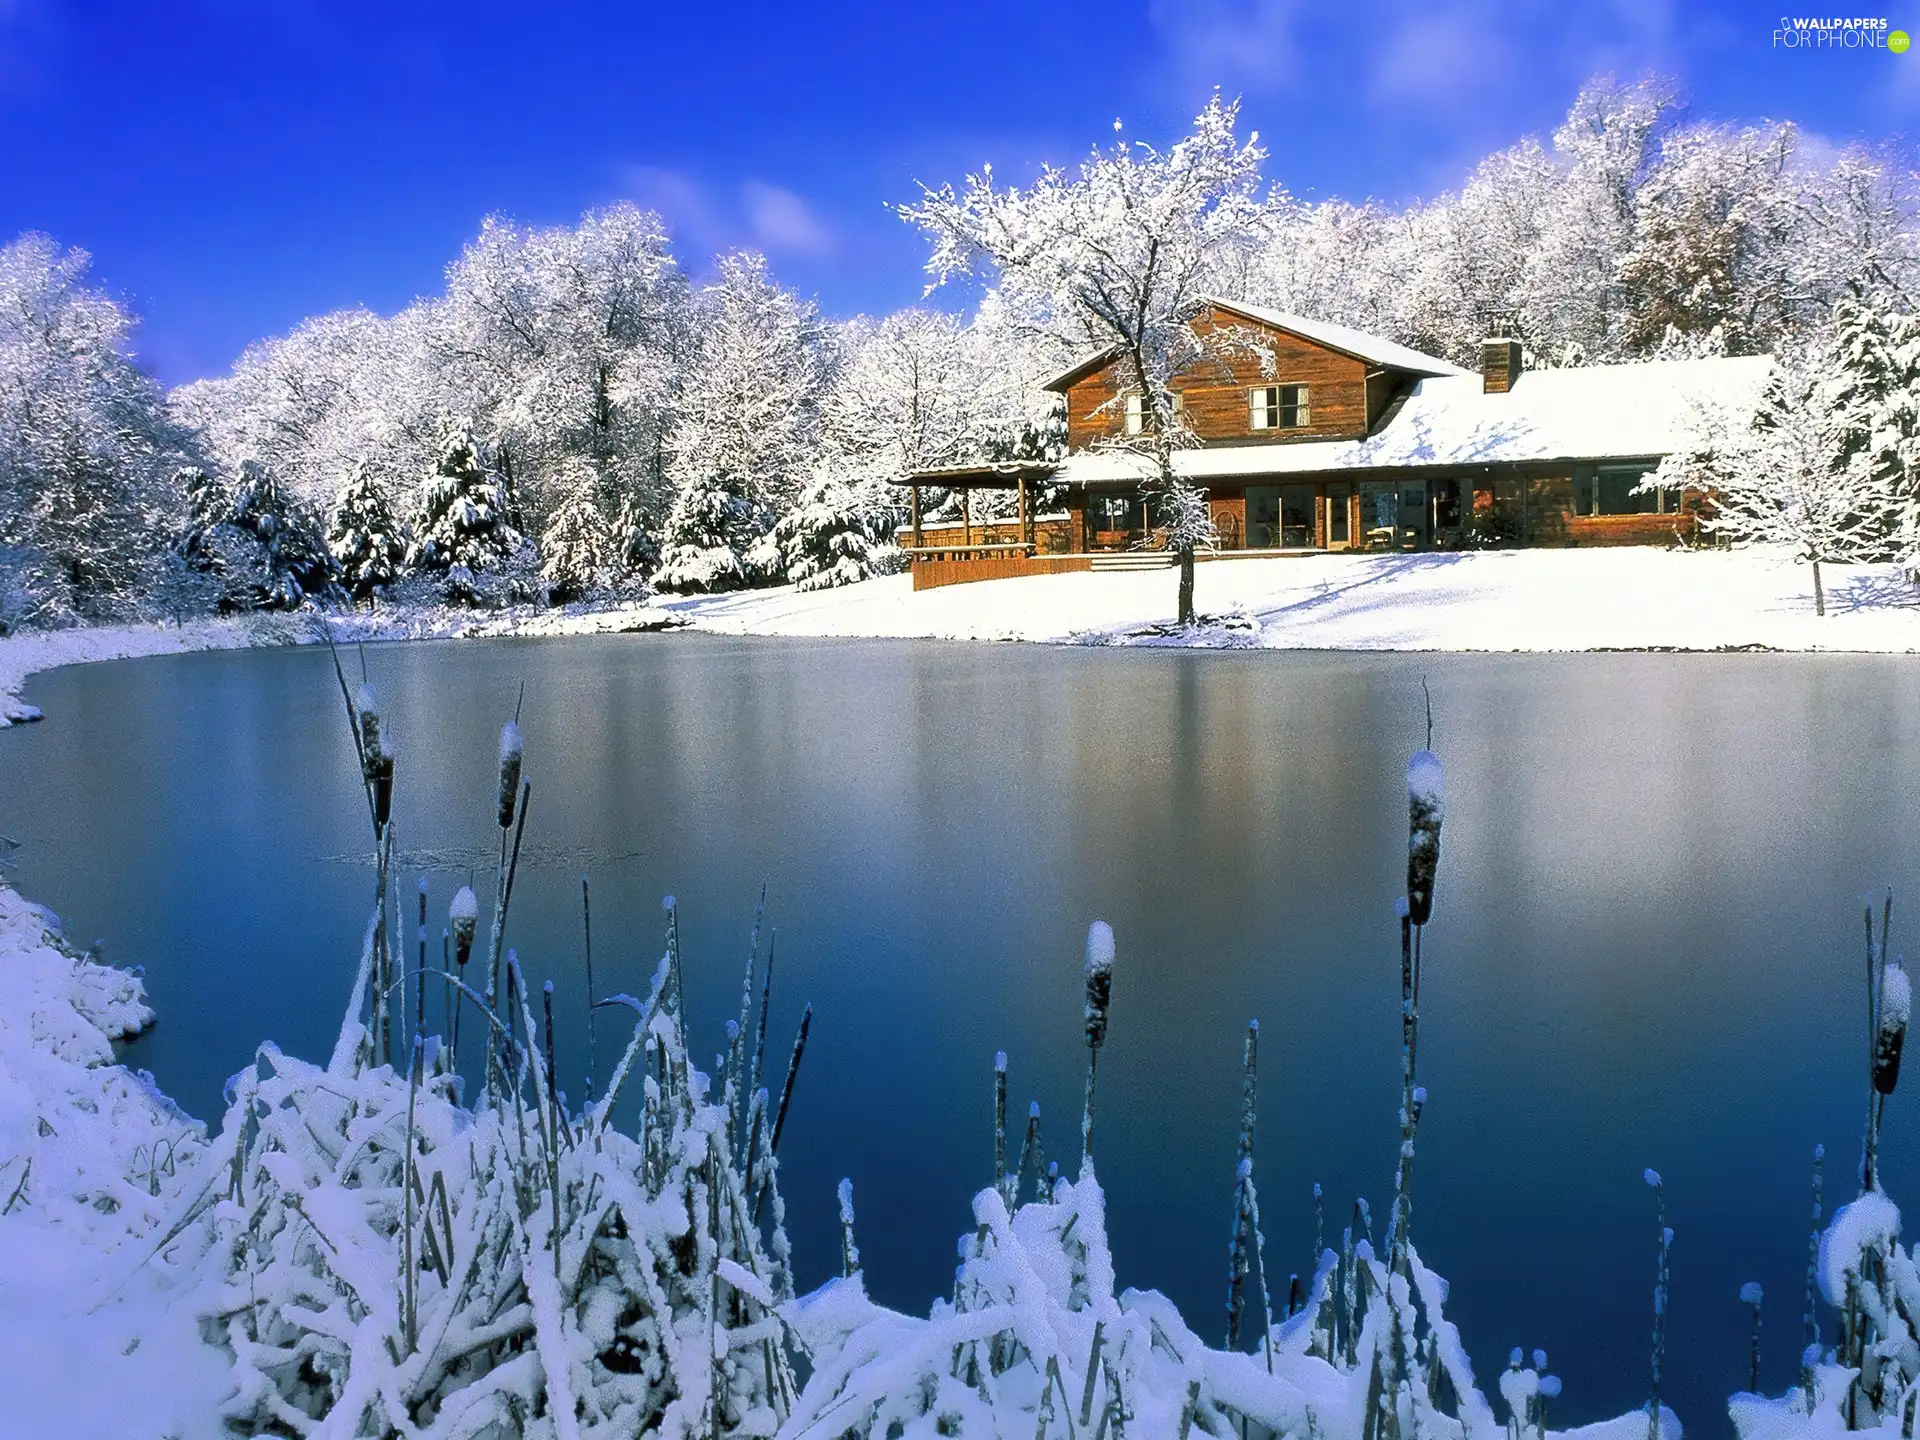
[463,918]
[849,1252]
[1099,997]
[367,706]
[1424,811]
[1896,1007]
[512,749]
[1099,981]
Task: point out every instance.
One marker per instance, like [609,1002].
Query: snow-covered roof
[1348,341]
[1592,412]
[1344,338]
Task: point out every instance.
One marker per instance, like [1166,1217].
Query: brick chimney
[1499,363]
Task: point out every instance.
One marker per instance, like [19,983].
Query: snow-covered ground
[1629,598]
[1623,598]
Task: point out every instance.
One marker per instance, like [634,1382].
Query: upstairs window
[1278,407]
[1137,412]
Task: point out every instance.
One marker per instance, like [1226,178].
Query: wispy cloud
[706,219]
[1239,45]
[783,223]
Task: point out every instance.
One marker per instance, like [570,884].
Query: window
[1278,407]
[1609,490]
[1137,411]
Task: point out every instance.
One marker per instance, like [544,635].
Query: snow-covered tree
[464,525]
[748,418]
[1873,395]
[367,541]
[1116,258]
[836,535]
[88,507]
[709,532]
[1785,477]
[577,552]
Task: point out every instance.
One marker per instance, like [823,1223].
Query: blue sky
[238,165]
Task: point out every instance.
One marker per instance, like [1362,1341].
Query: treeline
[573,417]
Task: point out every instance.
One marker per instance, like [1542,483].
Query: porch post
[918,538]
[966,513]
[1026,516]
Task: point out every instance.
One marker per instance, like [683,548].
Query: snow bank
[92,1341]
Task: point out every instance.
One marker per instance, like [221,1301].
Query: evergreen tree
[709,531]
[636,553]
[463,527]
[293,563]
[832,537]
[1872,390]
[364,537]
[577,552]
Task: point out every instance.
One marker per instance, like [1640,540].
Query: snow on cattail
[1896,1007]
[1425,807]
[1750,1293]
[463,918]
[367,705]
[1099,981]
[512,751]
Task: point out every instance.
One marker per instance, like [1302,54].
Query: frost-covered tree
[1785,477]
[464,526]
[577,552]
[88,507]
[746,430]
[1116,258]
[367,541]
[1872,391]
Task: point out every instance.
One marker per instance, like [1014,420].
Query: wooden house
[1315,437]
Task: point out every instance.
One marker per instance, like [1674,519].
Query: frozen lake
[1645,950]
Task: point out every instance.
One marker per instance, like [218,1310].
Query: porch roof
[981,475]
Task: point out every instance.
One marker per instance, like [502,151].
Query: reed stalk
[593,1046]
[1751,1296]
[1658,1347]
[793,1070]
[1000,1128]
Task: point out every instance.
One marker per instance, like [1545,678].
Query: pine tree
[577,551]
[832,537]
[708,533]
[364,536]
[1872,391]
[636,553]
[294,562]
[463,527]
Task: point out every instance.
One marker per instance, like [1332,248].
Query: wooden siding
[930,573]
[1215,393]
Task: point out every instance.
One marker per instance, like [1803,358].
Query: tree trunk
[1186,584]
[1819,595]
